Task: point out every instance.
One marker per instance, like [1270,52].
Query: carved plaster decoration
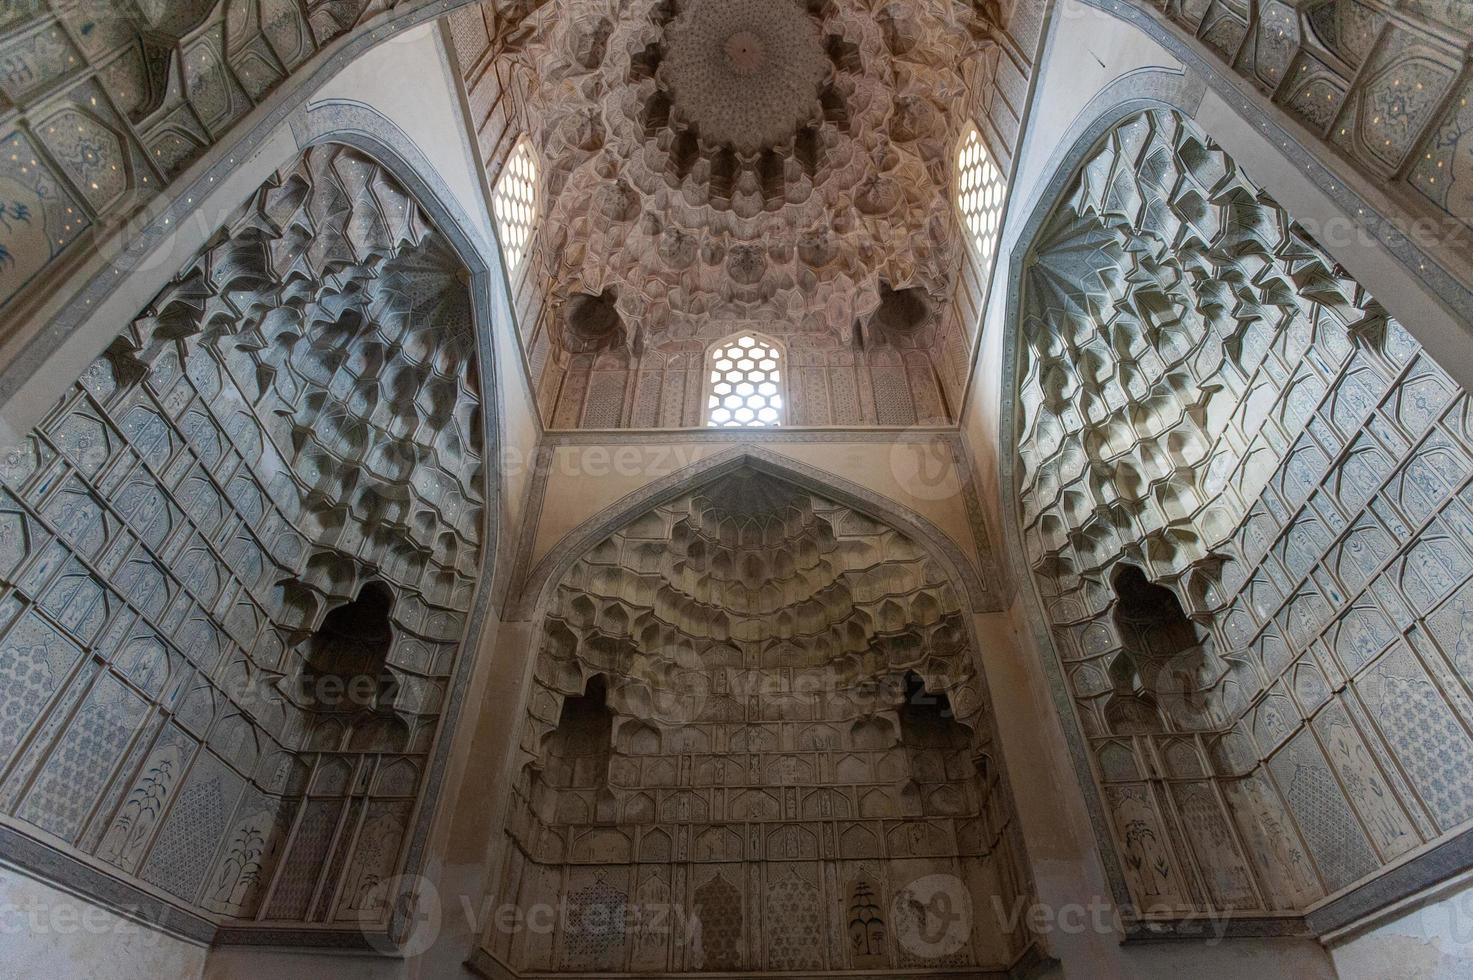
[104,103]
[762,165]
[762,706]
[239,556]
[744,74]
[737,147]
[1387,84]
[1245,499]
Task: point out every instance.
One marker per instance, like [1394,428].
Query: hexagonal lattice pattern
[516,201]
[746,384]
[981,190]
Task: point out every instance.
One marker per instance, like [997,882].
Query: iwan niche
[273,477]
[755,740]
[1244,498]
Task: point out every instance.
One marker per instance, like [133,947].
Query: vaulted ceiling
[776,161]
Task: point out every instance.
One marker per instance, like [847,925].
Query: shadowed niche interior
[347,657]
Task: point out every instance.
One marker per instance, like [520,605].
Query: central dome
[745,73]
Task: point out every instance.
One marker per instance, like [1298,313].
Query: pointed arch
[550,569]
[1215,690]
[375,139]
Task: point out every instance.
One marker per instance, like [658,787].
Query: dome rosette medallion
[745,74]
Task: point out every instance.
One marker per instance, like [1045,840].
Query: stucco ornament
[761,704]
[755,160]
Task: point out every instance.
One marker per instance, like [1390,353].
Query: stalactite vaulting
[1244,494]
[240,554]
[760,706]
[725,165]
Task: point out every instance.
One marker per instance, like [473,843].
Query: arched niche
[1213,415]
[293,428]
[797,716]
[537,584]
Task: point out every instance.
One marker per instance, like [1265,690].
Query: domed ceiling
[749,160]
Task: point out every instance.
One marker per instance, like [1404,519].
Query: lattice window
[746,383]
[515,201]
[980,192]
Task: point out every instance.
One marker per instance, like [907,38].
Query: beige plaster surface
[49,933]
[1430,940]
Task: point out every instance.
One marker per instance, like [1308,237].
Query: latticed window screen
[515,202]
[746,384]
[980,192]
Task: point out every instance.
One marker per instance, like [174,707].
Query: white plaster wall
[49,933]
[1433,940]
[408,80]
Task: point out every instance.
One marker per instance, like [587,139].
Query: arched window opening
[927,721]
[746,383]
[516,201]
[347,656]
[981,190]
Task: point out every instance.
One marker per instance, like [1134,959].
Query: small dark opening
[645,63]
[902,311]
[656,114]
[348,653]
[926,719]
[806,149]
[578,751]
[685,154]
[1150,617]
